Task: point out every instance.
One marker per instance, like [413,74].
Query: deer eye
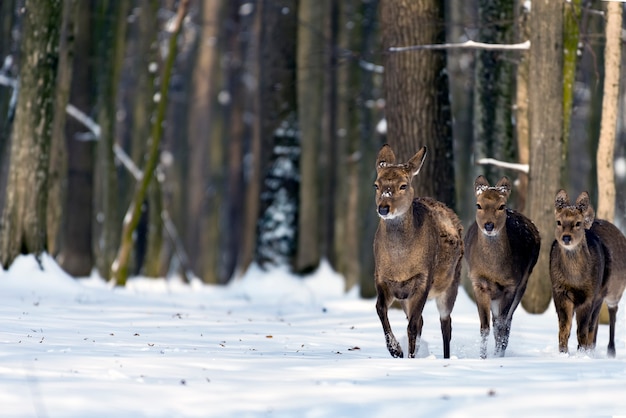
[501,207]
[375,186]
[478,206]
[403,187]
[558,223]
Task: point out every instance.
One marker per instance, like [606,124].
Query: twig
[524,168]
[464,45]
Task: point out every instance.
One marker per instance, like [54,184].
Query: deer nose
[383,210]
[489,226]
[567,239]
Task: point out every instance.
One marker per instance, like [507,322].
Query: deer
[501,249]
[418,247]
[587,267]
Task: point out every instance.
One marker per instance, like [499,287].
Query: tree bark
[204,180]
[610,107]
[23,222]
[546,130]
[58,152]
[310,82]
[416,93]
[76,255]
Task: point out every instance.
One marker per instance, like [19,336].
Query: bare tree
[23,222]
[546,134]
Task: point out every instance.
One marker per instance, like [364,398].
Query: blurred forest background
[196,137]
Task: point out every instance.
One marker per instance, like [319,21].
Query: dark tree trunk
[416,92]
[76,253]
[23,222]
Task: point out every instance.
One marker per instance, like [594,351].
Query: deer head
[572,220]
[394,192]
[491,205]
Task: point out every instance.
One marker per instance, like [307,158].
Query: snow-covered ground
[273,345]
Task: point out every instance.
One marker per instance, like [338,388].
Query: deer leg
[382,307]
[565,312]
[483,300]
[445,303]
[584,319]
[612,315]
[502,321]
[416,322]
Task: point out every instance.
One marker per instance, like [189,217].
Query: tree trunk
[277,92]
[610,106]
[310,79]
[76,256]
[522,128]
[204,179]
[416,93]
[571,40]
[119,267]
[23,222]
[58,152]
[608,124]
[546,130]
[110,30]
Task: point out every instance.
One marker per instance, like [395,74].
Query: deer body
[580,271]
[502,247]
[417,251]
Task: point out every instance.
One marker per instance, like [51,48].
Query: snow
[269,344]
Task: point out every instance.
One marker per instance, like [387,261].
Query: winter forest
[197,137]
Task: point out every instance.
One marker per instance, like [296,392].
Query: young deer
[502,247]
[587,266]
[417,251]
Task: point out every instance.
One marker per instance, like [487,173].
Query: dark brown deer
[417,251]
[501,249]
[587,266]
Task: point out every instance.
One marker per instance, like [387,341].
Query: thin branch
[464,45]
[513,166]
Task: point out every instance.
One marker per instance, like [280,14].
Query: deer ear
[561,200]
[504,186]
[385,157]
[415,163]
[584,205]
[480,184]
[589,217]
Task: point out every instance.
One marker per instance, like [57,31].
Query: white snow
[273,345]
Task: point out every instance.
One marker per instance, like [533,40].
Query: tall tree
[119,267]
[277,92]
[206,159]
[76,254]
[416,92]
[310,78]
[58,150]
[610,106]
[110,31]
[546,134]
[23,222]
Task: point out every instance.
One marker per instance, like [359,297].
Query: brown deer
[501,249]
[417,251]
[587,266]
